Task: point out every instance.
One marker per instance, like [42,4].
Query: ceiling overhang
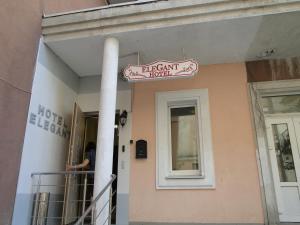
[155,15]
[210,31]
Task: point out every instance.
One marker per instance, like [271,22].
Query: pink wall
[20,27]
[236,198]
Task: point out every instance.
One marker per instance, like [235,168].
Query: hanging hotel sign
[161,70]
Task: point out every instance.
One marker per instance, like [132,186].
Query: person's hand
[68,167]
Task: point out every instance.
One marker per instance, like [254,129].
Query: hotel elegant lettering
[50,121]
[161,70]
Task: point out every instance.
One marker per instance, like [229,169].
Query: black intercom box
[141,149]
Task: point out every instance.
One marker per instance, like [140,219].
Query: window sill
[185,177]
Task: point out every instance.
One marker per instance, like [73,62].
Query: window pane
[284,154]
[281,104]
[184,135]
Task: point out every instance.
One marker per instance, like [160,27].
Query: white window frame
[203,178]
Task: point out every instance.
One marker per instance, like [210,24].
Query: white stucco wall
[54,92]
[55,89]
[89,98]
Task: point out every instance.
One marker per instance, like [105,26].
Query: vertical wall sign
[159,70]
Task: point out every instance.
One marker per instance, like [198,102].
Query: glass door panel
[285,162]
[284,154]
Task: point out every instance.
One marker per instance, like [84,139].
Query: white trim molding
[204,178]
[107,21]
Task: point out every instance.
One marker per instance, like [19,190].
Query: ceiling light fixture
[267,53]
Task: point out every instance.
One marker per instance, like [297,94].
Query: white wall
[55,89]
[88,100]
[54,92]
[88,94]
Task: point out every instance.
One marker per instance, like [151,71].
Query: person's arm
[84,164]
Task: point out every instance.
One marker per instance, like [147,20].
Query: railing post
[84,196]
[110,205]
[93,215]
[36,205]
[64,201]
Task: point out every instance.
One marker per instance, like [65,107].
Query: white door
[283,135]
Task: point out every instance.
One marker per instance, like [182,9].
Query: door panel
[284,155]
[71,206]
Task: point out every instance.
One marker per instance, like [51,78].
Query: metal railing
[97,212]
[65,198]
[60,197]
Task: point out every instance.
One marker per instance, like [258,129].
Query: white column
[107,108]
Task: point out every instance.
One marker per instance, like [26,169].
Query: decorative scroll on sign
[161,70]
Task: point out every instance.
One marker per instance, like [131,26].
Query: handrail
[62,173]
[93,203]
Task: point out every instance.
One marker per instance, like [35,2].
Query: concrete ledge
[156,15]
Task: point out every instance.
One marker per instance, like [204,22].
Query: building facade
[217,147]
[19,41]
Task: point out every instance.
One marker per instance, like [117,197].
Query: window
[281,104]
[184,150]
[184,144]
